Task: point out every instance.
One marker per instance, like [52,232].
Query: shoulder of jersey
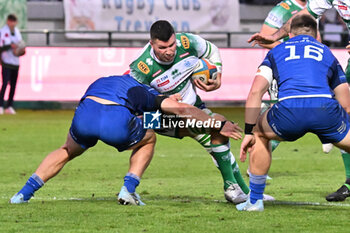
[183,40]
[142,60]
[283,7]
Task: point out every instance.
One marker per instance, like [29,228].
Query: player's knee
[150,137]
[344,143]
[71,152]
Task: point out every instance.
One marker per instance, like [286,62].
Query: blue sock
[33,184]
[131,181]
[257,186]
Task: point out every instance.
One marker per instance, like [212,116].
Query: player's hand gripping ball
[204,71]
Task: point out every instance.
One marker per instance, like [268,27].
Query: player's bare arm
[267,30]
[252,111]
[262,39]
[342,94]
[229,129]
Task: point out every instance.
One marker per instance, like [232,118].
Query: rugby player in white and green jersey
[279,15]
[316,8]
[166,64]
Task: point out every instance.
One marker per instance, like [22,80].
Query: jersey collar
[300,37]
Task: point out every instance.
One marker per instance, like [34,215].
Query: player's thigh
[84,129]
[120,128]
[148,139]
[263,128]
[345,143]
[73,148]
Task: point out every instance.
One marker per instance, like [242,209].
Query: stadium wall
[62,74]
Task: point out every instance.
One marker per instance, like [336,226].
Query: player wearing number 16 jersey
[313,97]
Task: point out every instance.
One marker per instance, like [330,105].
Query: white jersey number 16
[310,51]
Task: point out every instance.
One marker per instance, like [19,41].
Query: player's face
[164,50]
[11,24]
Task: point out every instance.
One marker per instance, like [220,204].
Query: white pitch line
[297,203]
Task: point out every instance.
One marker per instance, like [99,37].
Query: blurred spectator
[11,47]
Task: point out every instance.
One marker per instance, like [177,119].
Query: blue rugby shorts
[292,118]
[115,125]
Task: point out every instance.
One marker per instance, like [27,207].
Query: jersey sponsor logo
[164,78]
[156,73]
[143,67]
[184,54]
[163,83]
[285,5]
[185,42]
[161,79]
[187,64]
[342,128]
[343,7]
[273,19]
[175,73]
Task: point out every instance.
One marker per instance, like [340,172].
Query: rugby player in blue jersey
[313,97]
[317,8]
[108,112]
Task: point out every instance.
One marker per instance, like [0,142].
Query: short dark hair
[304,25]
[12,17]
[161,30]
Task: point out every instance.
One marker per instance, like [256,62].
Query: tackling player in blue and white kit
[108,112]
[313,97]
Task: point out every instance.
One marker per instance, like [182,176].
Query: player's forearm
[5,48]
[252,108]
[191,112]
[268,30]
[270,46]
[283,31]
[342,94]
[184,110]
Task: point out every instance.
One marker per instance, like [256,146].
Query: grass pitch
[182,188]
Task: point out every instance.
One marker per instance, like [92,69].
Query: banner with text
[138,16]
[63,74]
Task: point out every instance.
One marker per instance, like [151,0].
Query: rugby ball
[204,70]
[21,49]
